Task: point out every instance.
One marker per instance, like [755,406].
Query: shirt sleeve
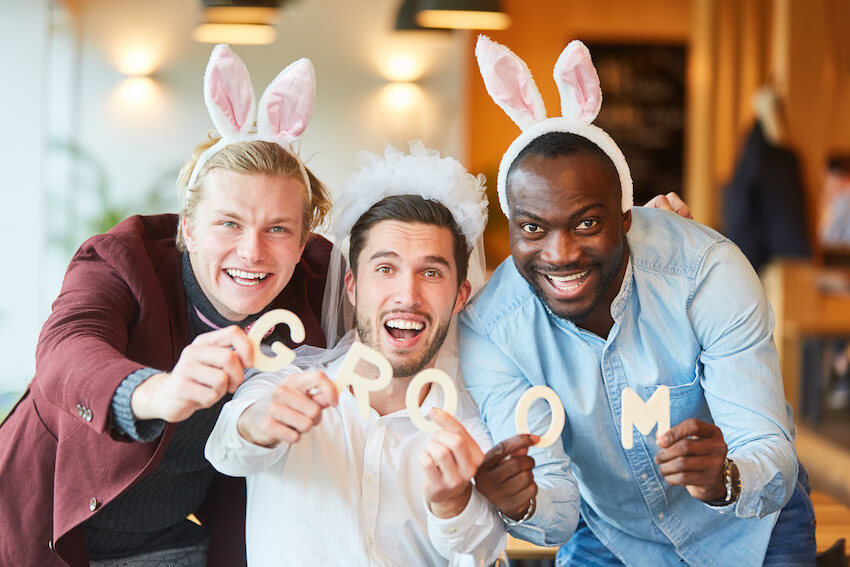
[741,379]
[226,449]
[496,384]
[477,530]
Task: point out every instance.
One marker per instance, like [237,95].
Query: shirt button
[368,541]
[643,476]
[93,504]
[369,478]
[452,531]
[661,516]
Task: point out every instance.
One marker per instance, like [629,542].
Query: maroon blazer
[122,307]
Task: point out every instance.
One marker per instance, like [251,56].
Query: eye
[587,224]
[531,228]
[432,273]
[384,270]
[229,224]
[279,229]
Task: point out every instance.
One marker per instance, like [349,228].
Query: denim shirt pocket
[686,399]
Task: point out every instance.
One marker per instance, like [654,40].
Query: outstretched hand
[505,476]
[450,460]
[692,455]
[290,410]
[211,366]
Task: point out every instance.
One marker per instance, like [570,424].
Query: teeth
[405,324]
[246,275]
[573,277]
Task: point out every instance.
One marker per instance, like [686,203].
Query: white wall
[72,91]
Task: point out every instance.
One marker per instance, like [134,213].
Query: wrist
[451,507]
[529,512]
[731,485]
[140,404]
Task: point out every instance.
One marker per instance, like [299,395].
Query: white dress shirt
[349,492]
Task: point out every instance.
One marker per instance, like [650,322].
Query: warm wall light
[238,22]
[403,67]
[401,96]
[462,14]
[236,34]
[136,91]
[137,62]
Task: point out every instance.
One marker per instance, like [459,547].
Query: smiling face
[405,292]
[568,235]
[245,239]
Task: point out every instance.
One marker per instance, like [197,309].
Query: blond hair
[249,157]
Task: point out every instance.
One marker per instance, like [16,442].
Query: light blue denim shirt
[691,314]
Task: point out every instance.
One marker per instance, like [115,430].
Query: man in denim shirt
[599,297]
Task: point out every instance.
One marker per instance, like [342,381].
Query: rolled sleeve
[496,385]
[741,379]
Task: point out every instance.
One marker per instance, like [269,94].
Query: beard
[407,366]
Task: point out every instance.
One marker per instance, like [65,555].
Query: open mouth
[242,277]
[404,329]
[567,284]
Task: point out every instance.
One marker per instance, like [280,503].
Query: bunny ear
[287,104]
[228,92]
[578,83]
[509,83]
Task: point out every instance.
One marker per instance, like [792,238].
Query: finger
[216,357]
[446,421]
[688,428]
[231,337]
[317,386]
[287,397]
[433,478]
[660,202]
[445,461]
[510,468]
[699,465]
[466,452]
[507,447]
[679,206]
[291,418]
[692,446]
[196,373]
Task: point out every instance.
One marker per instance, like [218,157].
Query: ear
[350,287]
[228,93]
[627,221]
[462,296]
[188,234]
[287,103]
[578,83]
[509,83]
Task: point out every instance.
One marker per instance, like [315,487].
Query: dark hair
[556,144]
[409,208]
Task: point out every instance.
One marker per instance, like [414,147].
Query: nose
[251,247]
[560,249]
[407,292]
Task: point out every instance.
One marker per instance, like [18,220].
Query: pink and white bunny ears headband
[284,111]
[510,85]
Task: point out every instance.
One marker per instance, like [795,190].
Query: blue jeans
[792,543]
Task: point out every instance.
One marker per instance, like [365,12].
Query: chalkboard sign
[643,109]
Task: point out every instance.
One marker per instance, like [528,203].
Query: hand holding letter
[291,409]
[692,455]
[505,476]
[208,368]
[449,461]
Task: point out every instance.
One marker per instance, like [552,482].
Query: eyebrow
[395,255]
[276,220]
[580,212]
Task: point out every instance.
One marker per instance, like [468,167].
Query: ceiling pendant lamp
[238,22]
[462,14]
